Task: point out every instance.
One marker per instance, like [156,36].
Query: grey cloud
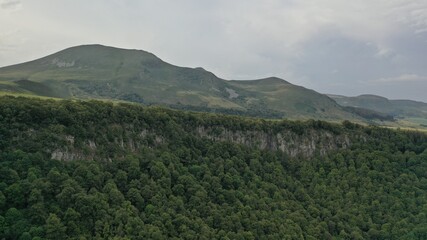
[402,78]
[332,46]
[10,4]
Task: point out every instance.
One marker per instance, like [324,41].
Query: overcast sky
[331,46]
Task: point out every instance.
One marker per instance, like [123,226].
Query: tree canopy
[190,187]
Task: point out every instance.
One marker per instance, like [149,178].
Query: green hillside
[100,72]
[408,113]
[298,102]
[98,170]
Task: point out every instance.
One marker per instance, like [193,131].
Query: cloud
[330,46]
[413,13]
[10,4]
[401,79]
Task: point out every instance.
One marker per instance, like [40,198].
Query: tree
[54,227]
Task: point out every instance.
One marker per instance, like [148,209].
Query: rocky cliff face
[69,130]
[307,144]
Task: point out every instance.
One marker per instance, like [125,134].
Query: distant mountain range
[407,112]
[101,72]
[396,108]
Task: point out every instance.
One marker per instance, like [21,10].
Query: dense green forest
[178,185]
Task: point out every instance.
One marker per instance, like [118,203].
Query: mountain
[406,110]
[100,72]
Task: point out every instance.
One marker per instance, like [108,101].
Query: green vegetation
[100,72]
[370,114]
[295,101]
[142,173]
[409,114]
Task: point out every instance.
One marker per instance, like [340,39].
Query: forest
[173,184]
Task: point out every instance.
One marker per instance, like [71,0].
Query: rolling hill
[100,72]
[410,113]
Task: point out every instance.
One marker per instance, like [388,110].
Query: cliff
[68,130]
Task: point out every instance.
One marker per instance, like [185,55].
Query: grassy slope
[95,71]
[299,101]
[103,72]
[409,114]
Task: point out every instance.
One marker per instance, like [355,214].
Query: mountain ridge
[375,102]
[407,112]
[333,96]
[102,72]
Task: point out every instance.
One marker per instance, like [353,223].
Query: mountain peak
[103,72]
[268,80]
[372,96]
[100,47]
[98,50]
[97,57]
[275,80]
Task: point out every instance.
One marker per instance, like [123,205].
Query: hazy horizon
[365,47]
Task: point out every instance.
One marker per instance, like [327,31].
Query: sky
[331,46]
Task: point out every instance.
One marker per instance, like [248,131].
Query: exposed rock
[60,63]
[92,144]
[232,93]
[65,155]
[309,143]
[69,139]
